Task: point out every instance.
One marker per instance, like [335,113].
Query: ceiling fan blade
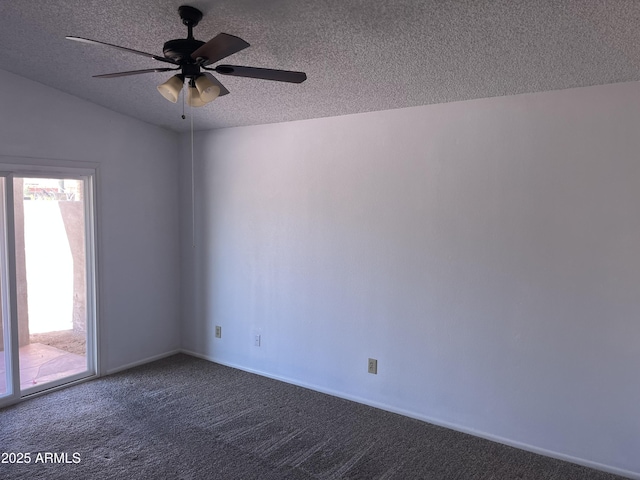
[262,73]
[219,47]
[125,49]
[134,72]
[223,90]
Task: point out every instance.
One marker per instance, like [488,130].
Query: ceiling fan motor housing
[180,50]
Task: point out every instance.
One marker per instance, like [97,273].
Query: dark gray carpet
[185,418]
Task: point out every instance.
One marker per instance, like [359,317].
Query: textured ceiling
[359,55]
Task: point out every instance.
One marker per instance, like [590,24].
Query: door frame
[43,168]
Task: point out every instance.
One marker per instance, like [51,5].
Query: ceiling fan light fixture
[208,90]
[171,88]
[194,99]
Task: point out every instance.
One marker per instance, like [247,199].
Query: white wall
[487,253]
[137,208]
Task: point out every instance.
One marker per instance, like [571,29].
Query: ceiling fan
[191,56]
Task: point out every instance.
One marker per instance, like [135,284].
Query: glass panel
[50,279]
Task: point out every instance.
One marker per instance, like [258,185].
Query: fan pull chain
[193,183]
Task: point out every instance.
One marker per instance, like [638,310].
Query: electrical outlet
[256,340]
[373,366]
[218,331]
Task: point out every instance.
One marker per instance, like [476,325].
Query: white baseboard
[143,361]
[434,421]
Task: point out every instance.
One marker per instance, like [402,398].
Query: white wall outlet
[218,331]
[373,366]
[256,340]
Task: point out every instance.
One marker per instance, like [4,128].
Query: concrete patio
[40,364]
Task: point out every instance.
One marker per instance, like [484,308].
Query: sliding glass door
[49,296]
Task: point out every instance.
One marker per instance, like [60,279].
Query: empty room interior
[423,210]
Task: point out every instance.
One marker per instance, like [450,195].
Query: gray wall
[137,208]
[487,253]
